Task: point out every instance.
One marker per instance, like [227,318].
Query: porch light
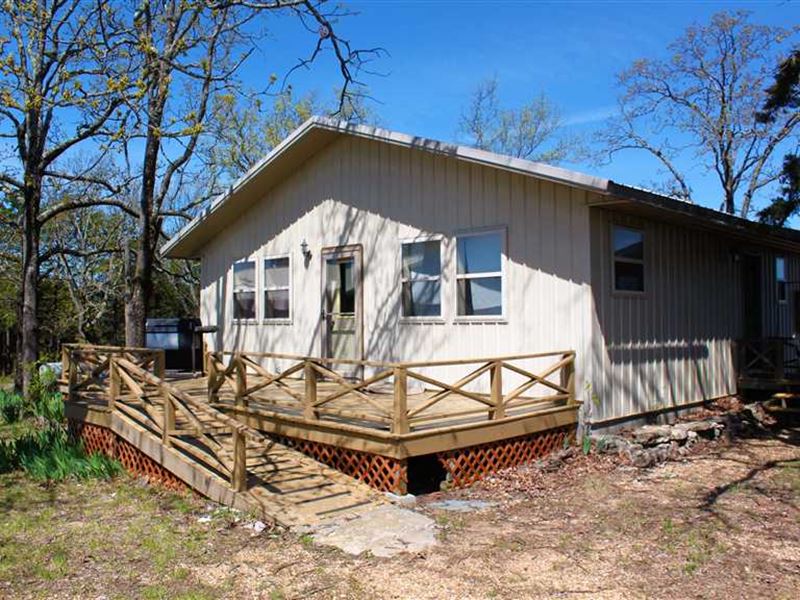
[304,249]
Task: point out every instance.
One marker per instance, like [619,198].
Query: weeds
[45,451]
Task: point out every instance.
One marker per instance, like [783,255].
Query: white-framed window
[480,274]
[277,288]
[628,247]
[421,278]
[244,290]
[780,278]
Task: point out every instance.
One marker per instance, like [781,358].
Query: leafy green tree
[189,52]
[60,77]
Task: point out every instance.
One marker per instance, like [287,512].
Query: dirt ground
[723,523]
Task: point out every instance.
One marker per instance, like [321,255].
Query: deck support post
[400,412]
[241,380]
[169,417]
[496,376]
[239,471]
[113,382]
[310,397]
[568,378]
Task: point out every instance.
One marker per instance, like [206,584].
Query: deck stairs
[220,457]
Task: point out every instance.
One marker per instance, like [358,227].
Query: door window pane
[780,278]
[422,298]
[480,296]
[481,253]
[347,302]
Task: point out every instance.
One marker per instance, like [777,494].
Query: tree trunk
[140,284]
[29,323]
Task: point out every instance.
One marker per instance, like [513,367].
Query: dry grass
[724,523]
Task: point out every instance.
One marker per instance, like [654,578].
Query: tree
[533,131]
[190,53]
[703,101]
[242,133]
[783,96]
[59,80]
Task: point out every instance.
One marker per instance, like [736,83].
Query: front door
[751,295]
[342,303]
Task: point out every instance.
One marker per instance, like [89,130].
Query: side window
[244,290]
[628,247]
[479,274]
[421,278]
[277,288]
[780,278]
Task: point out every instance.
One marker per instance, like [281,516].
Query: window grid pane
[244,305]
[480,296]
[276,304]
[276,273]
[422,260]
[422,298]
[480,253]
[244,275]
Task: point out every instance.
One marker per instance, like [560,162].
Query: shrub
[11,407]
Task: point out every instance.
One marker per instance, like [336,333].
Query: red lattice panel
[103,440]
[380,472]
[467,465]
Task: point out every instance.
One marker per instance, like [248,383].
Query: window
[628,259]
[277,288]
[479,274]
[780,278]
[421,277]
[244,290]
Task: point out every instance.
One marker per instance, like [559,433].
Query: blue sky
[439,50]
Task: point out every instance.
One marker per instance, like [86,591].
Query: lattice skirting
[380,472]
[467,465]
[100,439]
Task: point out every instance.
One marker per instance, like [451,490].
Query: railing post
[496,377]
[169,417]
[568,377]
[211,381]
[400,416]
[239,471]
[113,382]
[72,376]
[159,363]
[310,397]
[241,381]
[64,362]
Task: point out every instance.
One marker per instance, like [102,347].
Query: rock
[405,500]
[609,444]
[461,505]
[651,435]
[383,531]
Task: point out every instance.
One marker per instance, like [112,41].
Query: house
[359,243]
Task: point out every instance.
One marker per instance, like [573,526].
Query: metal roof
[317,132]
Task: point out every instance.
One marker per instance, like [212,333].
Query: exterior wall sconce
[305,250]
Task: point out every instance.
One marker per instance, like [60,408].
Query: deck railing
[318,391]
[85,367]
[133,386]
[776,358]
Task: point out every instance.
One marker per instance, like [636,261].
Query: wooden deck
[225,425]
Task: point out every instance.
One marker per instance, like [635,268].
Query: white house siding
[375,194]
[674,344]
